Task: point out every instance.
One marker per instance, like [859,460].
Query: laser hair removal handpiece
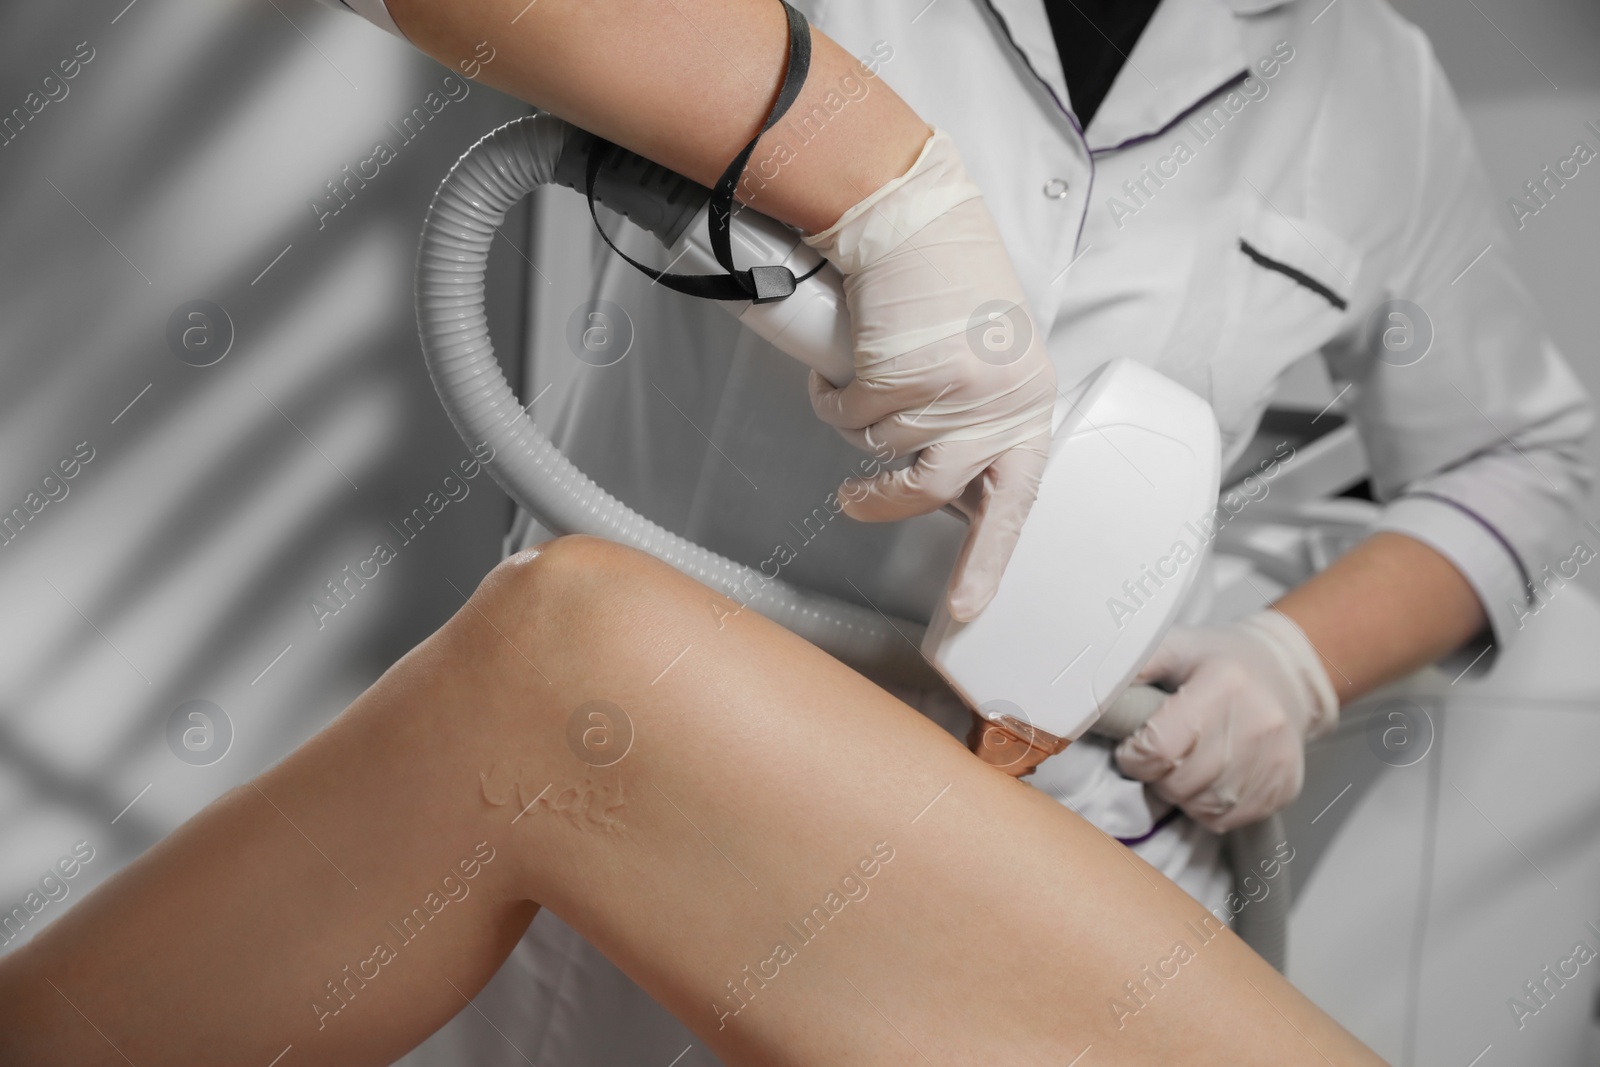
[1102,566]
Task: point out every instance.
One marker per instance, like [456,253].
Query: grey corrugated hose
[471,202]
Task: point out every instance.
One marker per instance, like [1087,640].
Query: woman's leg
[802,868]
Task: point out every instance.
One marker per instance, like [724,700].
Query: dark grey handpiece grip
[649,195]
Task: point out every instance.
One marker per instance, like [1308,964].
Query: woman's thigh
[806,870]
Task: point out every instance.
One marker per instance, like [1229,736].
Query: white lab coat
[1262,177]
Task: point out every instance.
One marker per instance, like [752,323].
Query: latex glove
[949,365]
[1228,746]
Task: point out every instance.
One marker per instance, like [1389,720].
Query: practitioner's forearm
[686,83]
[1384,609]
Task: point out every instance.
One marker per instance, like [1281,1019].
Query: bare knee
[547,636]
[565,641]
[560,581]
[577,600]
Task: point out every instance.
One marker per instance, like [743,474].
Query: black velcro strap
[758,284]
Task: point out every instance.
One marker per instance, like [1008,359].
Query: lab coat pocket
[1293,284]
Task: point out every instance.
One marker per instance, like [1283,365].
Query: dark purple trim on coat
[1088,194]
[1159,825]
[1527,581]
[1182,115]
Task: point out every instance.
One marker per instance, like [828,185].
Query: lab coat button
[1056,188]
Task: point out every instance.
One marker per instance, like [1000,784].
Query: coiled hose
[470,204]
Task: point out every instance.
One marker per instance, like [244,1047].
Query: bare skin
[686,83]
[975,920]
[1388,607]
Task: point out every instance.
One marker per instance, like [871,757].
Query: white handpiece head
[1110,550]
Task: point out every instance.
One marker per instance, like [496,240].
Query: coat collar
[1190,49]
[1254,7]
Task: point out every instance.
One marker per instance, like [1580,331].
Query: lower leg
[345,903]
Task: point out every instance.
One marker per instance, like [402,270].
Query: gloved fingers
[1243,797]
[1246,765]
[1207,785]
[1201,784]
[1249,759]
[1164,742]
[862,402]
[913,422]
[937,477]
[970,500]
[1272,784]
[870,439]
[1007,491]
[1174,660]
[1214,809]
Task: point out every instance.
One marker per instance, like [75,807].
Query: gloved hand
[949,364]
[1228,746]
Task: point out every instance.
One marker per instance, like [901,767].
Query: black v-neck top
[1094,38]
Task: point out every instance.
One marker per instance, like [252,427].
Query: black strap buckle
[770,283]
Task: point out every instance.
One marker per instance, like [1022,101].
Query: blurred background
[242,373]
[176,179]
